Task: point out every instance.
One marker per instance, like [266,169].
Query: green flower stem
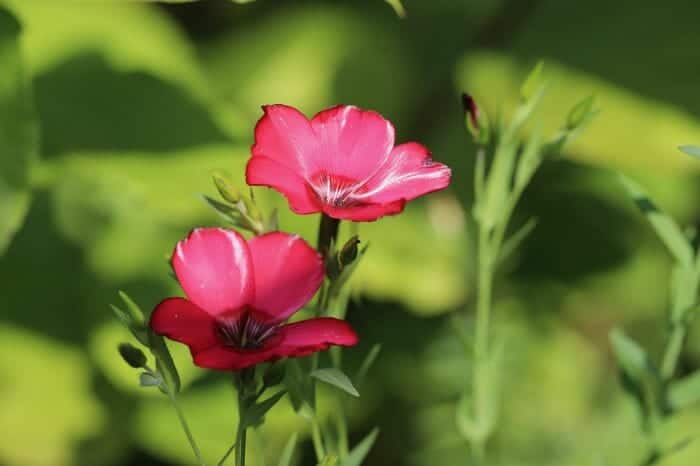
[240,445]
[327,233]
[317,439]
[672,353]
[185,427]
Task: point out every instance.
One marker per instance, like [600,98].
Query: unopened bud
[226,188]
[132,355]
[348,253]
[476,121]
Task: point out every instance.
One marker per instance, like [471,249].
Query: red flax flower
[342,162]
[240,293]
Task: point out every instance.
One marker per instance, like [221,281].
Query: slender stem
[228,453]
[317,440]
[342,426]
[674,346]
[327,233]
[185,427]
[240,445]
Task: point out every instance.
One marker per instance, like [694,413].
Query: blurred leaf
[511,244]
[336,378]
[18,131]
[367,363]
[398,7]
[690,150]
[299,387]
[255,416]
[685,392]
[48,402]
[580,112]
[358,454]
[667,230]
[532,82]
[288,452]
[164,361]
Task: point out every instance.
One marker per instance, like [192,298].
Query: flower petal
[293,340]
[284,135]
[288,272]
[214,269]
[352,143]
[365,212]
[264,171]
[408,173]
[181,320]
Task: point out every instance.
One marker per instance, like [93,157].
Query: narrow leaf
[667,230]
[256,413]
[164,361]
[685,392]
[358,454]
[532,82]
[690,150]
[367,364]
[398,7]
[135,312]
[288,452]
[337,378]
[514,241]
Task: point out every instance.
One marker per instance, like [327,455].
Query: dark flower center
[244,332]
[336,190]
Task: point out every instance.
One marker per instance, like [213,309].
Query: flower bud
[348,252]
[226,189]
[132,355]
[476,122]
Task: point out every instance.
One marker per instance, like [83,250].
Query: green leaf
[299,386]
[164,361]
[18,131]
[580,113]
[255,415]
[139,332]
[367,364]
[514,241]
[337,378]
[135,312]
[690,150]
[398,7]
[532,82]
[329,460]
[358,454]
[685,392]
[667,230]
[286,457]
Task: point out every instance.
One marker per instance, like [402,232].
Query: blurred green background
[136,103]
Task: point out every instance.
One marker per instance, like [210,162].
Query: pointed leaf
[337,378]
[693,151]
[358,454]
[255,415]
[685,392]
[398,7]
[532,82]
[667,230]
[514,241]
[288,452]
[164,361]
[367,364]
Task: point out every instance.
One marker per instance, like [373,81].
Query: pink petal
[214,268]
[408,173]
[288,272]
[263,171]
[312,335]
[365,212]
[284,135]
[181,320]
[293,340]
[352,143]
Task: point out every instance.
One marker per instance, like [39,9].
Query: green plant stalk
[317,439]
[185,426]
[673,350]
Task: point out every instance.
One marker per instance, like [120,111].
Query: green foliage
[336,378]
[18,130]
[358,454]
